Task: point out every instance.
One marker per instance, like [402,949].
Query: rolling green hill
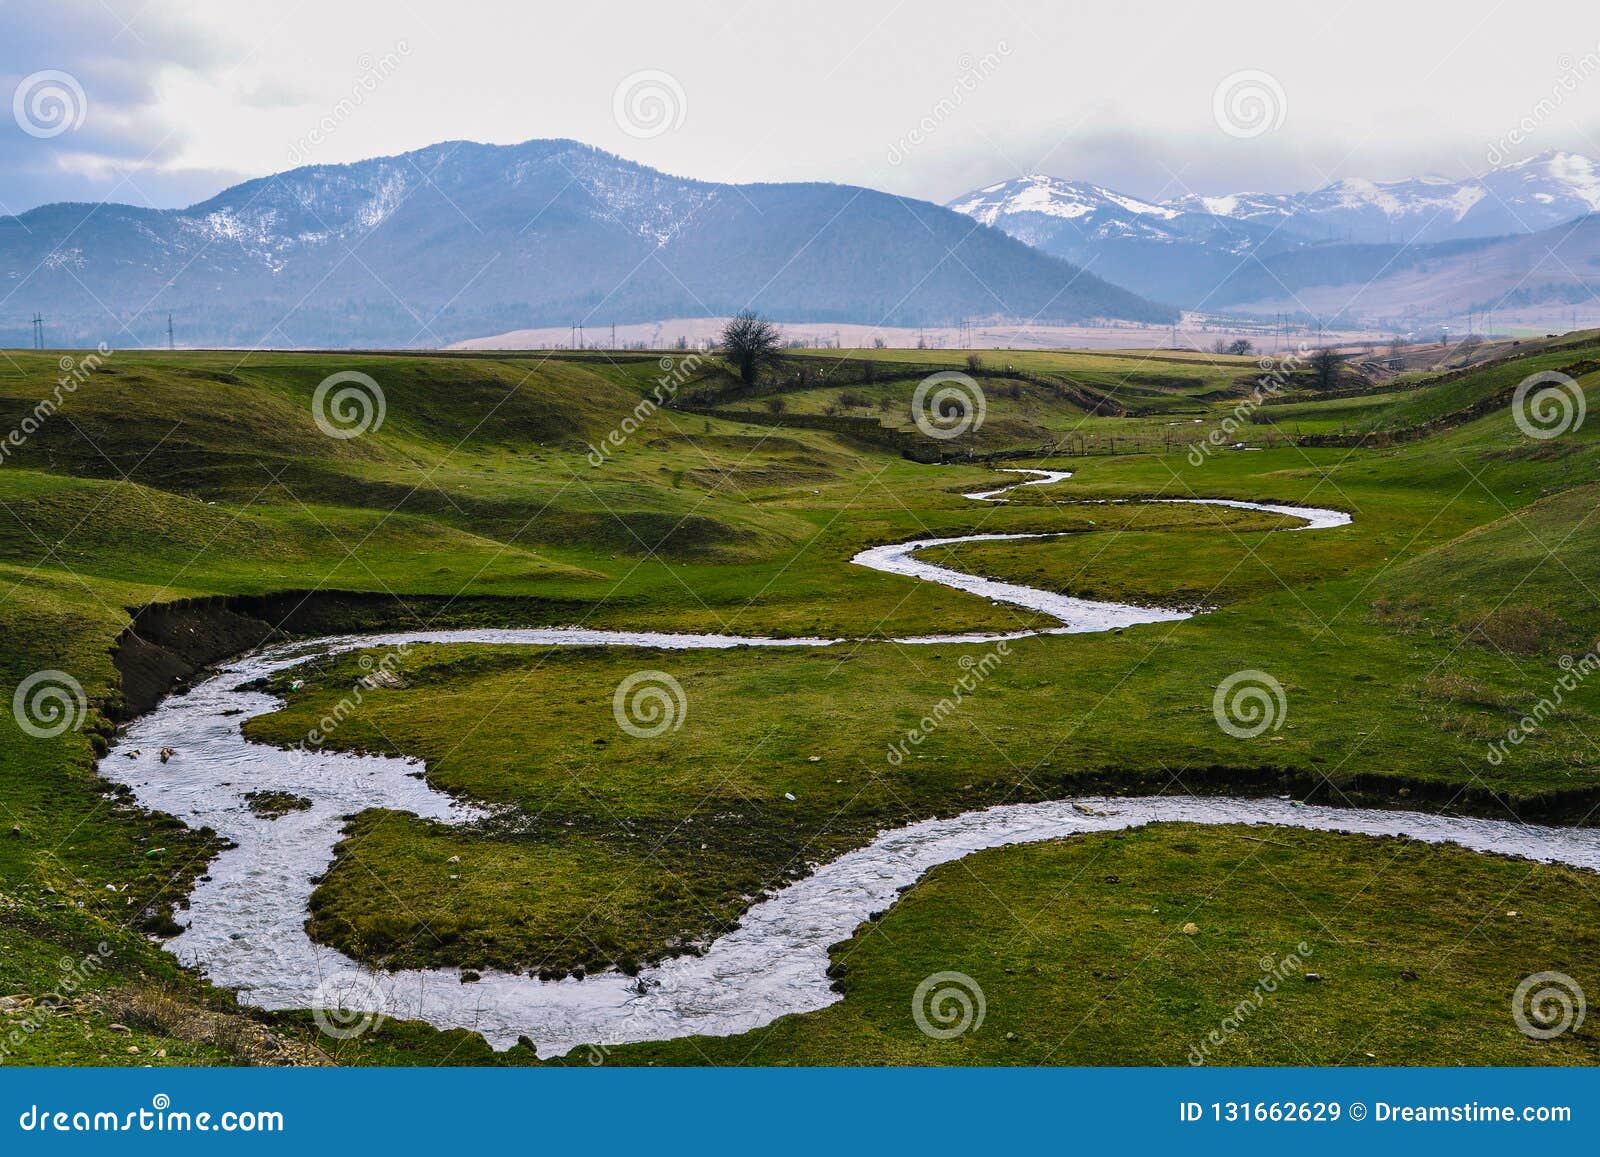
[1406,642]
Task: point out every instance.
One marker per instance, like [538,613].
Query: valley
[487,579]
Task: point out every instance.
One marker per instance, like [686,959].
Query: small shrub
[1518,630]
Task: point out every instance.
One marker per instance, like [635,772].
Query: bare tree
[1326,366]
[751,344]
[1238,347]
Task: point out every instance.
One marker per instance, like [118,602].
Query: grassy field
[1407,643]
[1133,949]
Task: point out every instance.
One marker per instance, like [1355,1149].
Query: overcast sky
[180,98]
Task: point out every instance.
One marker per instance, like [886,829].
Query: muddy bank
[167,644]
[1572,807]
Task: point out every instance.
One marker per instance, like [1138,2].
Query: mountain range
[459,240]
[1213,252]
[462,239]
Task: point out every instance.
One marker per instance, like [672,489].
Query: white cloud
[186,96]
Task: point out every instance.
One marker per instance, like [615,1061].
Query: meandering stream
[246,919]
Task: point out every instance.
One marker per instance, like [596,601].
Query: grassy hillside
[1406,643]
[1133,949]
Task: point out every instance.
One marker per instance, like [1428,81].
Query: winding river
[246,919]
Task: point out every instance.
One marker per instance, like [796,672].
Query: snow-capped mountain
[1523,197]
[1183,250]
[1092,207]
[1178,250]
[1357,210]
[1040,209]
[462,239]
[1550,189]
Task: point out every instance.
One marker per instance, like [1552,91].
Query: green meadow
[494,493]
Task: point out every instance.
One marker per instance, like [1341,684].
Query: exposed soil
[166,644]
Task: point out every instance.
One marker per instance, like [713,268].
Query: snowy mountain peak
[1552,177]
[1521,197]
[1048,196]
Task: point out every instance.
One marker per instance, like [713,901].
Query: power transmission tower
[38,331]
[170,344]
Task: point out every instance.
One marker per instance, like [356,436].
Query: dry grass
[1518,630]
[237,1035]
[1457,688]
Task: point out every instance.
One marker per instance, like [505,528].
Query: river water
[246,921]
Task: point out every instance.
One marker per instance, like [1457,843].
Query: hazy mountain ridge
[1211,252]
[1538,275]
[460,239]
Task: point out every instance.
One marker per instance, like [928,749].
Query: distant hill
[461,239]
[1536,275]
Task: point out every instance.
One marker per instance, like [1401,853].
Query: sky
[166,102]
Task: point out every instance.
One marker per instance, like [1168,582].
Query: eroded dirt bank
[168,643]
